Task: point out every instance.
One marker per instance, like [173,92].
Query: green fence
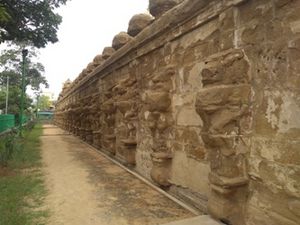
[7,122]
[45,116]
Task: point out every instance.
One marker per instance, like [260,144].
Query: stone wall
[203,99]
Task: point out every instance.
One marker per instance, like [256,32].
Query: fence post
[24,54]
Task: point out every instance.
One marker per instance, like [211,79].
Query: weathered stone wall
[203,100]
[269,35]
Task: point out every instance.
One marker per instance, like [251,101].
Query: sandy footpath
[87,189]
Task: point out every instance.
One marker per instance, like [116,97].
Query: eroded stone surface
[120,40]
[138,23]
[98,60]
[108,52]
[159,7]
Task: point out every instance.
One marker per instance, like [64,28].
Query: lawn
[21,183]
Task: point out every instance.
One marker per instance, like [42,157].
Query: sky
[88,26]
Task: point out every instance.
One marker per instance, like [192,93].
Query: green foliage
[44,103]
[22,187]
[4,16]
[29,21]
[14,100]
[8,145]
[28,154]
[11,144]
[10,63]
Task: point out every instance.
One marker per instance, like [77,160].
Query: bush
[10,142]
[30,124]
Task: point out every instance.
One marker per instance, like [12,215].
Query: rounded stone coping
[120,40]
[138,23]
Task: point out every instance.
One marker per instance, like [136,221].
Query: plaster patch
[195,78]
[147,113]
[271,110]
[289,115]
[295,26]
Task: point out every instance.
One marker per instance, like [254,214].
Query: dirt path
[87,189]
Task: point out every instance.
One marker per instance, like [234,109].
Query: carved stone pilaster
[87,119]
[108,137]
[94,119]
[158,102]
[127,106]
[224,106]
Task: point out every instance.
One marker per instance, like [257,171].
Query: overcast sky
[88,26]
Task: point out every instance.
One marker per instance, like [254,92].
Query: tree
[30,21]
[44,103]
[10,64]
[10,67]
[14,100]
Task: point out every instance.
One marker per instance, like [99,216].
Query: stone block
[120,40]
[188,135]
[98,60]
[159,7]
[90,67]
[253,33]
[107,52]
[158,101]
[226,20]
[139,22]
[214,98]
[279,150]
[188,117]
[252,11]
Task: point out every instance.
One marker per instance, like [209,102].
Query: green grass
[22,186]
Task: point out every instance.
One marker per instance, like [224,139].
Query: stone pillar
[224,106]
[95,120]
[108,137]
[88,129]
[158,102]
[127,105]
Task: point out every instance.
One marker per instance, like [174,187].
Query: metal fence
[7,122]
[45,117]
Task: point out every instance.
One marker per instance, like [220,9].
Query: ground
[84,187]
